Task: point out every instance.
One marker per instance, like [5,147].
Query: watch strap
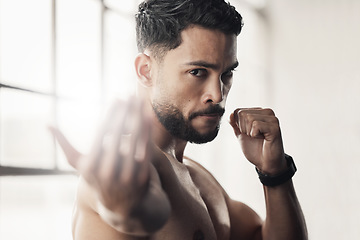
[280,178]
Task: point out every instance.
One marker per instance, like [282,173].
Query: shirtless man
[136,184]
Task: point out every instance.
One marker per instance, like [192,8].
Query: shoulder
[196,168]
[200,174]
[204,179]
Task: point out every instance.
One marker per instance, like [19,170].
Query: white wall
[315,63]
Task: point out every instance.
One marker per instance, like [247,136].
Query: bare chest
[199,210]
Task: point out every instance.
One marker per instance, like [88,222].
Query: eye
[228,73]
[198,72]
[227,76]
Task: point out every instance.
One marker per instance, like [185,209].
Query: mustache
[213,109]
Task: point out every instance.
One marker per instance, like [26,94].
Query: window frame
[28,171]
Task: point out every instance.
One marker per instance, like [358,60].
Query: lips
[213,115]
[214,111]
[210,119]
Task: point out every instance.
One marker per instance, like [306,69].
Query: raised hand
[259,134]
[119,165]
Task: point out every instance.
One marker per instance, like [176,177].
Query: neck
[166,142]
[160,136]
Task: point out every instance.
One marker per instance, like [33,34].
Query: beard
[178,126]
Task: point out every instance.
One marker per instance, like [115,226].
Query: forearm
[258,131]
[284,217]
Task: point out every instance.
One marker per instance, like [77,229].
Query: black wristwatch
[280,178]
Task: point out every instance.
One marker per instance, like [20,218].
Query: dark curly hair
[159,22]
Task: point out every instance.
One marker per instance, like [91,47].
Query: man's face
[192,83]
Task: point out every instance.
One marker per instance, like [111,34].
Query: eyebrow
[211,65]
[232,67]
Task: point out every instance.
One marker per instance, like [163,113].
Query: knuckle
[269,111]
[255,124]
[274,120]
[242,113]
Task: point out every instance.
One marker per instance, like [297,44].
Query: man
[136,184]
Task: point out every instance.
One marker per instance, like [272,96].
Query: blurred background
[63,61]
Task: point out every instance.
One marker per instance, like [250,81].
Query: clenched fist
[259,134]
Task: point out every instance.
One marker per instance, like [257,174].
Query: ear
[143,69]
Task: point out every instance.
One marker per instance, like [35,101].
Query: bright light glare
[25,43]
[42,206]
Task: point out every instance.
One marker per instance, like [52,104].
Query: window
[60,63]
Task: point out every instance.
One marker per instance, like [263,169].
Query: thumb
[71,154]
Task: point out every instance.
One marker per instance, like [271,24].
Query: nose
[214,92]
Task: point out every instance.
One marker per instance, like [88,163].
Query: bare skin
[136,183]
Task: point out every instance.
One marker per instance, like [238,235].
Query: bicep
[245,223]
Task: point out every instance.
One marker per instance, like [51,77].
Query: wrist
[272,180]
[274,169]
